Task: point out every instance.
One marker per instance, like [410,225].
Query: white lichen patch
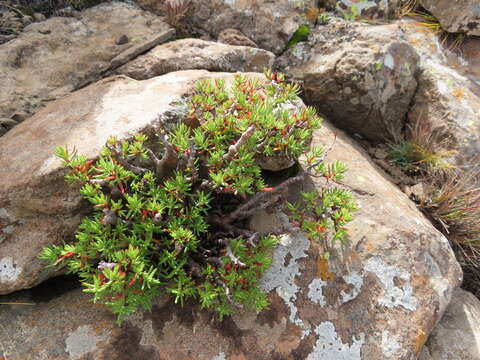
[330,347]
[9,271]
[82,341]
[51,163]
[356,280]
[315,293]
[393,295]
[281,276]
[390,344]
[389,61]
[4,213]
[220,356]
[146,326]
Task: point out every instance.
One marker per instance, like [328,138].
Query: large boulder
[461,16]
[54,57]
[378,297]
[270,24]
[37,207]
[189,54]
[457,336]
[361,77]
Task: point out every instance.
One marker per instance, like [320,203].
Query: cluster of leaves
[179,223]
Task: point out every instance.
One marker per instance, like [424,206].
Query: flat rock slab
[189,54]
[54,57]
[378,298]
[37,207]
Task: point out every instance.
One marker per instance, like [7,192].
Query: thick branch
[168,162]
[233,149]
[234,259]
[118,155]
[254,203]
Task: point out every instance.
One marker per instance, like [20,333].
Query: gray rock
[457,336]
[270,24]
[54,57]
[235,37]
[446,103]
[188,54]
[361,77]
[456,16]
[142,47]
[39,17]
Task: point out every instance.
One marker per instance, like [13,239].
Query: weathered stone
[197,54]
[39,17]
[54,57]
[270,24]
[448,95]
[449,103]
[361,77]
[235,37]
[456,16]
[370,9]
[37,207]
[459,54]
[142,47]
[377,298]
[457,336]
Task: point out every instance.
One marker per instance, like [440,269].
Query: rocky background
[75,72]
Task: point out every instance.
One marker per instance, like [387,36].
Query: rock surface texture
[456,16]
[448,94]
[457,336]
[449,103]
[54,57]
[379,297]
[270,24]
[37,207]
[361,77]
[189,54]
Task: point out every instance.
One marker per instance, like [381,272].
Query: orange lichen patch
[100,326]
[458,93]
[312,14]
[238,357]
[323,270]
[421,338]
[289,340]
[419,281]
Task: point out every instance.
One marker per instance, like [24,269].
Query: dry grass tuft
[423,152]
[453,200]
[451,195]
[176,11]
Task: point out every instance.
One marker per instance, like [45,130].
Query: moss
[300,35]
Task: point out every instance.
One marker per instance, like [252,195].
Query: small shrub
[178,222]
